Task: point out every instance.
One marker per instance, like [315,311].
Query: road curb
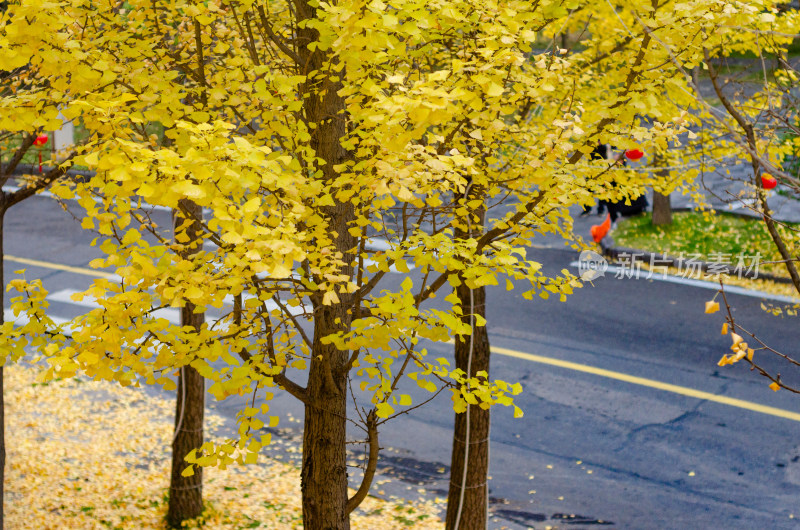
[33,169]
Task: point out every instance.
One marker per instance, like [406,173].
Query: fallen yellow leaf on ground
[92,455]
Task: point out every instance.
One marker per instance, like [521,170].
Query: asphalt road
[591,450]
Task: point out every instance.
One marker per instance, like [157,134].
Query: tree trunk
[473,507]
[324,472]
[2,375]
[662,209]
[186,493]
[467,499]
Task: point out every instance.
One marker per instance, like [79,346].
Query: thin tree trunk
[467,499]
[186,493]
[2,374]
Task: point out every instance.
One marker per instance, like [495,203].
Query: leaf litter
[93,455]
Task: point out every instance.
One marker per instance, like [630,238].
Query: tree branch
[754,159]
[47,179]
[274,38]
[372,463]
[26,144]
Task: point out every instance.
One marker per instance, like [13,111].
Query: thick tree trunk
[662,209]
[324,472]
[467,499]
[186,493]
[2,374]
[470,511]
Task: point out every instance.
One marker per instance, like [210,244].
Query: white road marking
[22,319]
[381,245]
[270,304]
[49,195]
[64,296]
[374,244]
[171,314]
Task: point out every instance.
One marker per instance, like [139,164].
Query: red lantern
[768,181]
[634,154]
[38,142]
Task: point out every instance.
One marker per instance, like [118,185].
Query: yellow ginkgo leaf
[384,410]
[712,306]
[775,386]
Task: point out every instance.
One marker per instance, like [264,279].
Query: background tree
[610,80]
[15,147]
[756,126]
[7,200]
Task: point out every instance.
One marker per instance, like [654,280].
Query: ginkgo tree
[315,147]
[17,146]
[757,125]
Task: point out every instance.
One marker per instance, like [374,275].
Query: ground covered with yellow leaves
[85,455]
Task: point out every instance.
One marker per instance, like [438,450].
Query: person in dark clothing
[618,209]
[615,209]
[600,152]
[637,206]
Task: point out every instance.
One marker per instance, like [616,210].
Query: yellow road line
[59,267]
[652,383]
[610,374]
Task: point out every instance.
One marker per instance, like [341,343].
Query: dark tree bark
[662,209]
[469,468]
[324,471]
[186,493]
